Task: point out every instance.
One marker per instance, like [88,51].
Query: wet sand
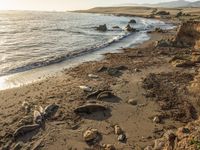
[143,74]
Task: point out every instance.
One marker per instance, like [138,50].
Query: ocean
[30,40]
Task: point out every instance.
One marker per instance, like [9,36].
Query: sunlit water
[56,40]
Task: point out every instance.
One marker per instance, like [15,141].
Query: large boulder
[188,35]
[102,28]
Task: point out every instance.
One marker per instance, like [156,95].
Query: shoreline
[37,74]
[130,75]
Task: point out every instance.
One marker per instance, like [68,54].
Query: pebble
[118,130]
[121,137]
[133,102]
[90,135]
[86,88]
[156,119]
[108,147]
[93,76]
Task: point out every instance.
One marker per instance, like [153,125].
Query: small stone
[156,119]
[137,70]
[86,88]
[109,147]
[26,106]
[133,102]
[102,28]
[90,135]
[121,137]
[118,130]
[92,76]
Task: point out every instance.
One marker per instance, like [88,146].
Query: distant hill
[172,4]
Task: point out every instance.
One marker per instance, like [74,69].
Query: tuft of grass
[196,143]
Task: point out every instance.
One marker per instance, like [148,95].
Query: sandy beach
[142,92]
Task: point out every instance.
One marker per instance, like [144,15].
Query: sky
[63,5]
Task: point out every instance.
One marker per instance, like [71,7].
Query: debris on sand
[25,129]
[90,108]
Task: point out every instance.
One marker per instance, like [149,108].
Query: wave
[61,58]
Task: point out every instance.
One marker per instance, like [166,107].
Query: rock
[50,110]
[163,43]
[18,146]
[108,147]
[179,14]
[86,88]
[115,27]
[93,76]
[113,71]
[156,119]
[104,94]
[25,129]
[158,145]
[118,130]
[188,35]
[26,106]
[130,29]
[169,135]
[162,13]
[195,58]
[37,117]
[182,63]
[132,21]
[133,102]
[159,30]
[90,135]
[185,130]
[102,28]
[121,137]
[90,108]
[102,69]
[137,70]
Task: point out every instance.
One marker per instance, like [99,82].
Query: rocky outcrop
[188,35]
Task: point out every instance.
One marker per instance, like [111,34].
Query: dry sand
[144,74]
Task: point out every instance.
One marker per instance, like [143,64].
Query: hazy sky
[61,5]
